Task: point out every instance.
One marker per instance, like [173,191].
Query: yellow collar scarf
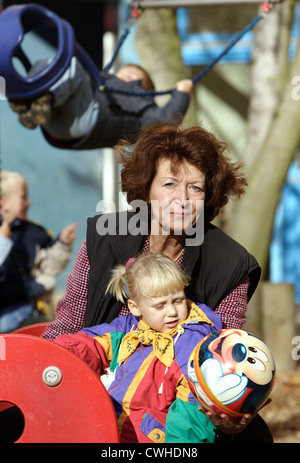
[163,344]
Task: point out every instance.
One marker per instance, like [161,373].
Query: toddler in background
[29,257]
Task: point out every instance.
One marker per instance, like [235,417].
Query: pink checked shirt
[70,310]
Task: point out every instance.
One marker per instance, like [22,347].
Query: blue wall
[285,245]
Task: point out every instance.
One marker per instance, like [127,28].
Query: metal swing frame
[147,4]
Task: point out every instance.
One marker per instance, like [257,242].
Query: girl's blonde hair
[165,276]
[8,180]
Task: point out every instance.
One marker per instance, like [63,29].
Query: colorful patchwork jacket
[144,388]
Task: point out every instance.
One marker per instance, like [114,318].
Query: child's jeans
[12,317]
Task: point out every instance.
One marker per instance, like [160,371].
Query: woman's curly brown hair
[196,146]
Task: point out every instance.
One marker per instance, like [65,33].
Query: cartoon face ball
[231,371]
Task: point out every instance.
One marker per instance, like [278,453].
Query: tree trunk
[252,217]
[268,75]
[158,45]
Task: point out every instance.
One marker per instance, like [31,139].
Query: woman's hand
[227,424]
[231,425]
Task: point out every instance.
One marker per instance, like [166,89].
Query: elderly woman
[180,170]
[175,167]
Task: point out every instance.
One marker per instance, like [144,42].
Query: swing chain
[135,14]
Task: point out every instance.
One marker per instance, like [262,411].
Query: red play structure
[61,398]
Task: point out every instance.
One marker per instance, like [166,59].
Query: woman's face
[176,199]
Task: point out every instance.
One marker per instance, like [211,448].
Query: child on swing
[148,352]
[76,114]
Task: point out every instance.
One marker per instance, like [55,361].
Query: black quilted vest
[217,266]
